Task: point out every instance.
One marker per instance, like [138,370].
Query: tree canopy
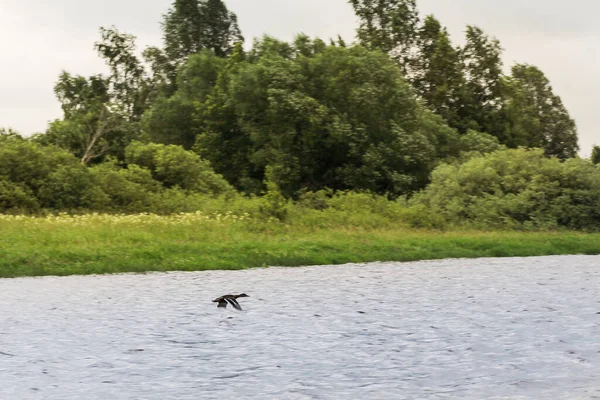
[404,112]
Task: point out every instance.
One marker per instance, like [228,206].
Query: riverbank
[97,244]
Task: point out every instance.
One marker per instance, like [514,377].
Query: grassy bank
[93,244]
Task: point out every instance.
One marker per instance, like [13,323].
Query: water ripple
[522,328]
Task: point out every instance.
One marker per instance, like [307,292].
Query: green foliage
[91,136]
[595,155]
[79,95]
[163,73]
[482,58]
[130,88]
[536,117]
[274,204]
[92,127]
[319,116]
[348,132]
[466,85]
[17,198]
[9,134]
[389,26]
[516,189]
[176,167]
[172,120]
[90,244]
[158,178]
[30,163]
[129,189]
[474,142]
[221,140]
[315,200]
[199,75]
[437,74]
[71,187]
[44,177]
[194,25]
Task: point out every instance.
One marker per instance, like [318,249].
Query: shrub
[175,167]
[516,189]
[16,198]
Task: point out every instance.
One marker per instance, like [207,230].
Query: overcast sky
[39,38]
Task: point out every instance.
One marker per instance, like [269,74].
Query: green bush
[45,177]
[72,187]
[129,189]
[176,167]
[515,189]
[274,204]
[16,198]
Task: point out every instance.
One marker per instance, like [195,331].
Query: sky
[39,39]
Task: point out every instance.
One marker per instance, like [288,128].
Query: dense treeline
[403,113]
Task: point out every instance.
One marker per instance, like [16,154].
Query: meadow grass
[97,244]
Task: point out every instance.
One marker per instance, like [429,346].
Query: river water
[518,328]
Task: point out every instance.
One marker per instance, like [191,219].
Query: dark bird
[231,299]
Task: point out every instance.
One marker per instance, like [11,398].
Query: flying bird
[231,299]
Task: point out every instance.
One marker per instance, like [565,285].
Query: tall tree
[93,125]
[221,140]
[163,72]
[101,114]
[389,26]
[536,117]
[596,155]
[482,57]
[79,95]
[438,76]
[193,25]
[129,85]
[171,120]
[220,31]
[317,116]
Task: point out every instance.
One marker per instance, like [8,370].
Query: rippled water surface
[480,329]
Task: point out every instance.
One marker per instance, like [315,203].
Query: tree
[172,120]
[97,144]
[79,95]
[163,73]
[8,133]
[482,58]
[596,155]
[91,136]
[220,138]
[91,128]
[318,116]
[220,31]
[129,87]
[101,114]
[536,117]
[438,76]
[193,25]
[479,143]
[389,26]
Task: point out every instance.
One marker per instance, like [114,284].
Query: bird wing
[234,303]
[222,303]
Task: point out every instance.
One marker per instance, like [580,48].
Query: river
[518,328]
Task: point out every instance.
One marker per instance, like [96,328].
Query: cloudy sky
[39,38]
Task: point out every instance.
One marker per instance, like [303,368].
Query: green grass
[98,244]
